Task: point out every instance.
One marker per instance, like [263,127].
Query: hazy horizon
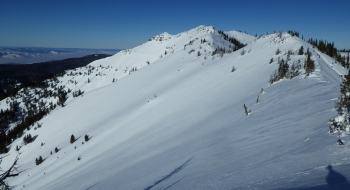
[28,55]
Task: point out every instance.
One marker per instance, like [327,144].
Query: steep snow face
[179,123]
[243,37]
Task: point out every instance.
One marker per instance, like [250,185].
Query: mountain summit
[203,109]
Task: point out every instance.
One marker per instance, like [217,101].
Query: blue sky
[125,24]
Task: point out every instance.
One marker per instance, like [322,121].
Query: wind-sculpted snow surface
[184,105]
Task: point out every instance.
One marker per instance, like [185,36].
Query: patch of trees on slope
[32,74]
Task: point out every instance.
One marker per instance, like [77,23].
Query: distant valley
[26,55]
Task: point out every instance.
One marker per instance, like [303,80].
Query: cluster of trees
[3,143]
[188,44]
[238,44]
[220,51]
[329,49]
[27,139]
[56,150]
[289,72]
[284,71]
[6,117]
[34,109]
[293,33]
[31,75]
[27,105]
[73,139]
[79,92]
[133,69]
[342,106]
[62,97]
[39,160]
[26,123]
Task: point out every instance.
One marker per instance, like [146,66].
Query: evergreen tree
[233,69]
[27,139]
[340,142]
[56,150]
[294,71]
[87,138]
[278,51]
[62,97]
[245,109]
[273,77]
[309,65]
[283,68]
[72,139]
[301,51]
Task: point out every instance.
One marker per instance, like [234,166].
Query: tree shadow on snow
[34,138]
[178,169]
[334,179]
[90,137]
[76,139]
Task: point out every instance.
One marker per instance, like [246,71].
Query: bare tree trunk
[11,172]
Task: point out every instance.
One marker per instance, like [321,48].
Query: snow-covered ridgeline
[179,122]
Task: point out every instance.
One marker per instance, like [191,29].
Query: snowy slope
[243,37]
[103,72]
[179,122]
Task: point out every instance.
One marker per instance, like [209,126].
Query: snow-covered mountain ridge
[179,122]
[125,62]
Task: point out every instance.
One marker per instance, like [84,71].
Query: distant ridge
[25,74]
[27,55]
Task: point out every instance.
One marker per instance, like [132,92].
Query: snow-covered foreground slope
[179,122]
